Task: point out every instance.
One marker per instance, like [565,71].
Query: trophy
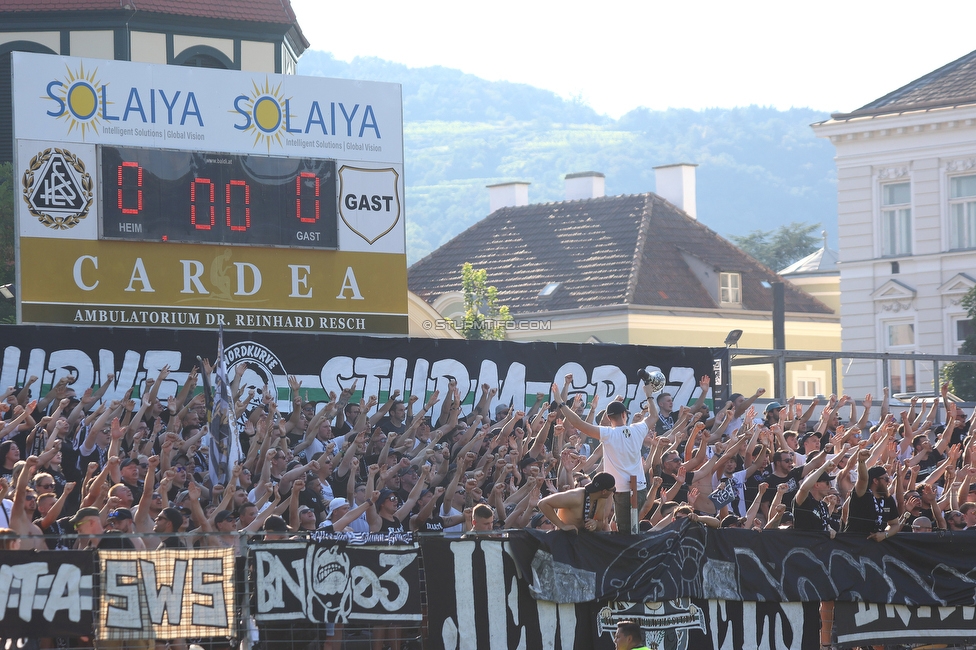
[654,379]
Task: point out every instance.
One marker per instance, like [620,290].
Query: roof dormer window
[730,285]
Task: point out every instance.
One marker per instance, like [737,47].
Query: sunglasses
[45,486]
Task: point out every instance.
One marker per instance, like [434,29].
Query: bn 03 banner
[167,594]
[49,591]
[330,582]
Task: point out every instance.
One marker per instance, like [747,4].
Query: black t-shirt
[391,525]
[868,514]
[668,481]
[793,479]
[115,540]
[811,515]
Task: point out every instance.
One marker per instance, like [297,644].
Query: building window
[896,219]
[807,388]
[731,288]
[900,337]
[809,382]
[962,212]
[962,328]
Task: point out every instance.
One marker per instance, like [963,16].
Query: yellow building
[637,269]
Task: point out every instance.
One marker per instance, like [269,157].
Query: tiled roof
[262,11]
[951,85]
[618,250]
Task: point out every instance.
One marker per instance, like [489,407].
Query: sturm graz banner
[324,364]
[47,591]
[332,582]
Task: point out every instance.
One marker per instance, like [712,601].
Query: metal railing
[740,357]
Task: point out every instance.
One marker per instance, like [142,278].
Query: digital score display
[217,198]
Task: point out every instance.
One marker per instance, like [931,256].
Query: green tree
[779,248]
[484,318]
[962,376]
[7,268]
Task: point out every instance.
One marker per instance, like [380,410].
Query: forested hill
[758,168]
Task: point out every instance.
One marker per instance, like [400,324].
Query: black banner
[695,624]
[578,568]
[688,561]
[474,591]
[46,593]
[779,566]
[327,363]
[331,582]
[862,624]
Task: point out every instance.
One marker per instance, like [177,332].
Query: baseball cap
[84,513]
[825,477]
[120,513]
[337,503]
[409,469]
[275,524]
[616,408]
[385,494]
[600,482]
[128,461]
[223,516]
[302,509]
[772,406]
[174,515]
[876,472]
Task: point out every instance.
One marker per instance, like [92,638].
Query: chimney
[585,185]
[676,184]
[507,195]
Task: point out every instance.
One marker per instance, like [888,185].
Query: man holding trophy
[622,444]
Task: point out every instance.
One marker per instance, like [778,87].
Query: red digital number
[193,203]
[247,206]
[138,208]
[298,197]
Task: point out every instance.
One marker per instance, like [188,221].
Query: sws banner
[167,594]
[47,590]
[329,363]
[332,582]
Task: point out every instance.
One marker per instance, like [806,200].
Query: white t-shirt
[622,454]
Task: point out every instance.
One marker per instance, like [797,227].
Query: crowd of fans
[73,467]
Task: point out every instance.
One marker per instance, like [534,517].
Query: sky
[616,56]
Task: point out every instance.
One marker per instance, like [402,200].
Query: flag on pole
[225,444]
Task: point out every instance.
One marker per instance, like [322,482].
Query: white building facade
[906,190]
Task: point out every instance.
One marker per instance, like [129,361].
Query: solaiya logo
[57,189]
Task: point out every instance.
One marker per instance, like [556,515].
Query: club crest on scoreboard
[57,190]
[371,209]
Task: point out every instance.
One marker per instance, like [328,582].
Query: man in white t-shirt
[622,445]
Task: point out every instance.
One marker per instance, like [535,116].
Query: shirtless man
[581,508]
[25,504]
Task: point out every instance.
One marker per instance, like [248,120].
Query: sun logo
[266,113]
[78,97]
